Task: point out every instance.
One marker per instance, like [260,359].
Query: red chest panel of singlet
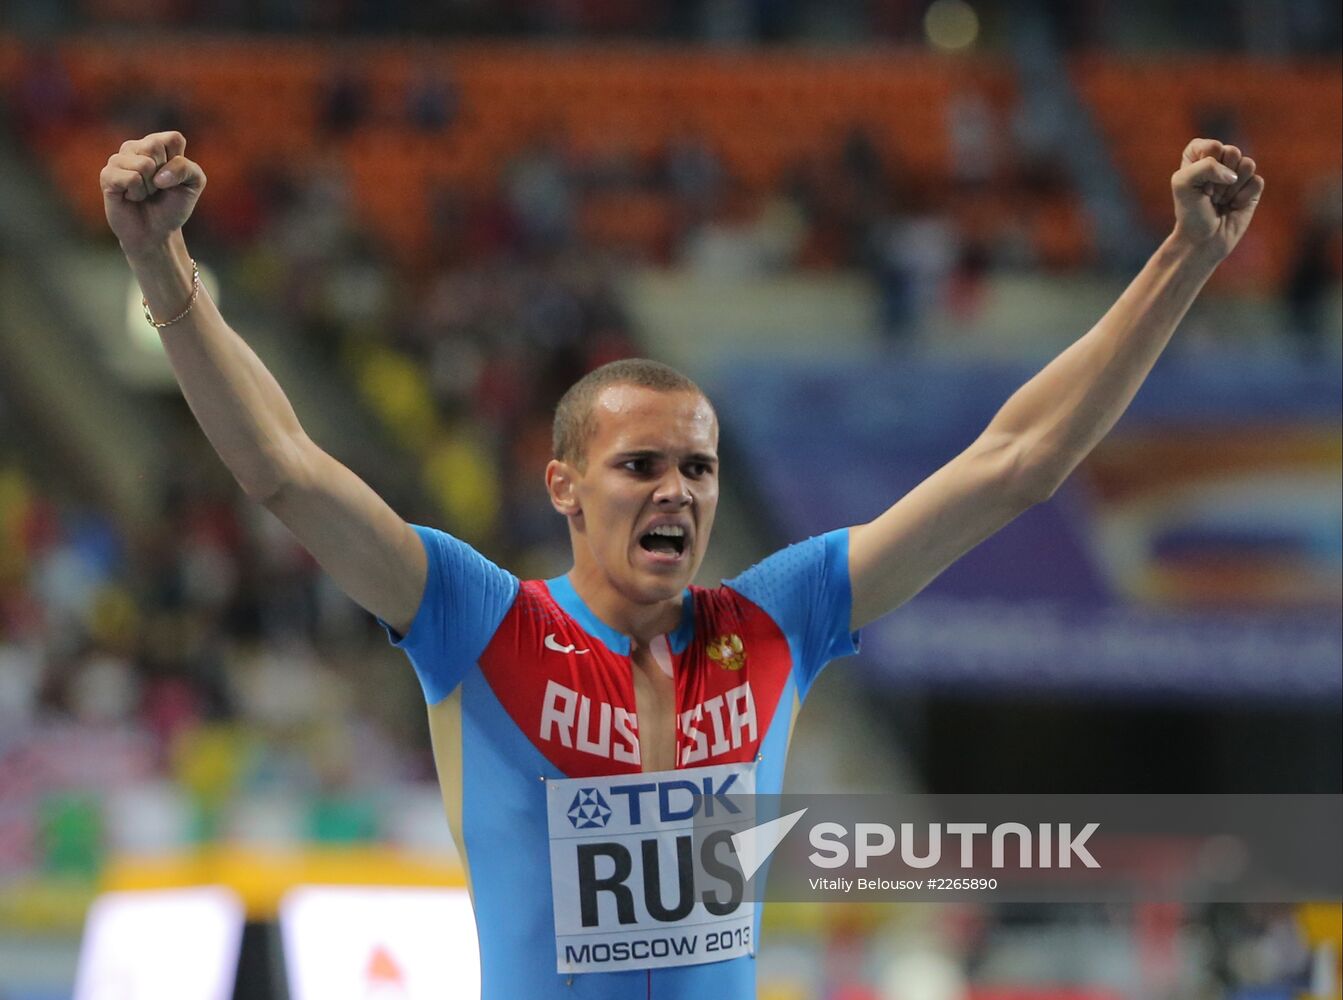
[574,698]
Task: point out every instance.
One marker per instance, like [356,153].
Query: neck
[641,622]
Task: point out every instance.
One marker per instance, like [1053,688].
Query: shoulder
[805,567]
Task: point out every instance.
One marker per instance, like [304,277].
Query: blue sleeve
[805,589]
[465,598]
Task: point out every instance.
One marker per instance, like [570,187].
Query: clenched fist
[149,191]
[1216,190]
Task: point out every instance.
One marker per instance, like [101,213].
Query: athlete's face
[643,506]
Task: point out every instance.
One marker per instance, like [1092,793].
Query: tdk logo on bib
[589,810]
[634,886]
[673,801]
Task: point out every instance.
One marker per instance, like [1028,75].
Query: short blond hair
[574,422]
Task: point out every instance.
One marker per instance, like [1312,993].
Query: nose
[672,491]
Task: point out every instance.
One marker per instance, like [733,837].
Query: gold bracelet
[191,302]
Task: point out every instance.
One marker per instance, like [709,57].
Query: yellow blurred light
[951,25]
[262,876]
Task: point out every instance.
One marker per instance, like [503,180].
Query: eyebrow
[697,456]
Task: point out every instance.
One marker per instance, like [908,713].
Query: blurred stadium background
[860,224]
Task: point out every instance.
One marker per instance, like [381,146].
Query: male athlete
[575,719]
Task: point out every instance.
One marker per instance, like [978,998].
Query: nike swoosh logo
[559,647]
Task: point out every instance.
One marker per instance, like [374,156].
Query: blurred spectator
[972,136]
[862,194]
[1314,271]
[343,103]
[432,100]
[541,197]
[1038,135]
[912,261]
[45,97]
[357,288]
[694,176]
[316,225]
[728,244]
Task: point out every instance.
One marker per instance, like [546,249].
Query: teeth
[670,530]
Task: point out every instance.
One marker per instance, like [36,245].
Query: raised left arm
[1052,422]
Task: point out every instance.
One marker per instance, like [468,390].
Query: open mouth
[667,541]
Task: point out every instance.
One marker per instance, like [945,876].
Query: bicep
[899,553]
[370,551]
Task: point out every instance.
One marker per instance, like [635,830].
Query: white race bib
[635,886]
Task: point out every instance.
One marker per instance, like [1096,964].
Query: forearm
[1063,412]
[236,401]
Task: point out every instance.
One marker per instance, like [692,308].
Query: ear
[560,480]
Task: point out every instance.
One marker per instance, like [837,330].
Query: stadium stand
[1285,112]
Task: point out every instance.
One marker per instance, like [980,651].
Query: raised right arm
[149,191]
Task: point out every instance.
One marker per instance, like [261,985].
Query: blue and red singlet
[535,736]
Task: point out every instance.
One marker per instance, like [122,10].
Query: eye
[697,470]
[639,466]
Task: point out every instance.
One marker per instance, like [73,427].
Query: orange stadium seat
[253,100]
